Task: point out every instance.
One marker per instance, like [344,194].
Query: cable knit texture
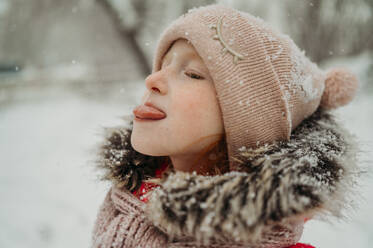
[121,223]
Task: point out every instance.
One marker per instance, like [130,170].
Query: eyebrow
[189,55]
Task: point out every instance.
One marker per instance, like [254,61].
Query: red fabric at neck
[300,245]
[146,187]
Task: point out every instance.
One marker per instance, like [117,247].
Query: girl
[233,144]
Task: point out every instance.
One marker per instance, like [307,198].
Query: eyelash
[189,74]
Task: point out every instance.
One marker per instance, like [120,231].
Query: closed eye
[194,75]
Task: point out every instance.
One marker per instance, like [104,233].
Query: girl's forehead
[183,45]
[181,51]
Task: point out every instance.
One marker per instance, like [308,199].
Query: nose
[157,81]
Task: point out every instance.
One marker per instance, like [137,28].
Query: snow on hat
[265,84]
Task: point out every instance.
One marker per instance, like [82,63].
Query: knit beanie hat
[265,84]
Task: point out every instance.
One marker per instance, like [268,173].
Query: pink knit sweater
[121,222]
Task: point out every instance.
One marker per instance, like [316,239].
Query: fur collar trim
[313,174]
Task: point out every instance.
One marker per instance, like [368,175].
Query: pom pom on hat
[340,88]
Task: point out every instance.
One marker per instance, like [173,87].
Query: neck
[189,163]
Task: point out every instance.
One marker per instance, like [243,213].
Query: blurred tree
[60,39]
[16,27]
[321,28]
[139,21]
[334,27]
[47,33]
[127,18]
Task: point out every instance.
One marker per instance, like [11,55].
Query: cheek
[190,104]
[197,108]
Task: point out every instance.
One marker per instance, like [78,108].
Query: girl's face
[184,90]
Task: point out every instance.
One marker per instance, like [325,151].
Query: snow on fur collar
[312,174]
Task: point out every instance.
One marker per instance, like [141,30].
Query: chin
[146,147]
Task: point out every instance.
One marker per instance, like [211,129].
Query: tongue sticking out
[146,112]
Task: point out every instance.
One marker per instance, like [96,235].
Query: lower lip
[139,119]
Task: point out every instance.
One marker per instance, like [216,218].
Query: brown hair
[218,162]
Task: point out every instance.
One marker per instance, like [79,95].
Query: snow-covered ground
[49,191]
[48,188]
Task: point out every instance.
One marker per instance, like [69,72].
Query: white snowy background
[66,72]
